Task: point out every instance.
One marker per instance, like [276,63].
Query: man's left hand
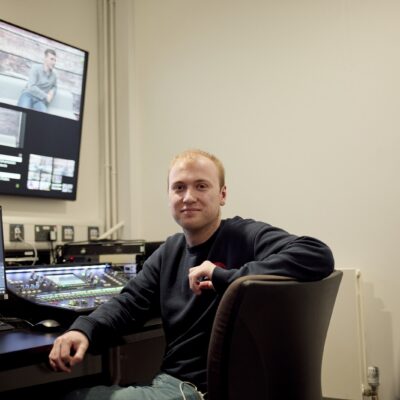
[200,277]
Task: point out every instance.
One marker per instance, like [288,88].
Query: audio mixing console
[78,288]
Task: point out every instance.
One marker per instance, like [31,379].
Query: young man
[186,277]
[42,84]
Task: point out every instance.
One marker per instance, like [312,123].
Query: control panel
[79,288]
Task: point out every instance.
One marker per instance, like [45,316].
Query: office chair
[268,338]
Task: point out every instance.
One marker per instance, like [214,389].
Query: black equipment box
[108,251]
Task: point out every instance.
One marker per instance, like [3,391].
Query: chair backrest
[268,338]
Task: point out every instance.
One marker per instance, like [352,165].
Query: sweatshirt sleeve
[276,252]
[122,313]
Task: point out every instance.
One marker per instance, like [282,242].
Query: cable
[52,253]
[35,258]
[182,384]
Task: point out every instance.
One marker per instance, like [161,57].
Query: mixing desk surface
[79,288]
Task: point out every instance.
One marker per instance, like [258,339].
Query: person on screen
[186,277]
[42,84]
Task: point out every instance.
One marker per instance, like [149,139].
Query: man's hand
[49,96]
[200,277]
[68,350]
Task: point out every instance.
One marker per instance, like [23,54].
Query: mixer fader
[79,288]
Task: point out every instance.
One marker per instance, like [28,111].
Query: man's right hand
[68,350]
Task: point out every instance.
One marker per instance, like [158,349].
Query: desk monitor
[3,288]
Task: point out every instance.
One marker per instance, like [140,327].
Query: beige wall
[300,99]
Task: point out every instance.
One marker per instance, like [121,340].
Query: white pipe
[111,230]
[361,325]
[104,105]
[112,110]
[108,91]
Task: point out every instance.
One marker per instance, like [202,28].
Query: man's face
[195,196]
[50,61]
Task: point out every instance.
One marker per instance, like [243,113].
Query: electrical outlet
[67,233]
[44,233]
[16,232]
[93,232]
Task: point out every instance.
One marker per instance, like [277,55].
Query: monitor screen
[3,289]
[42,91]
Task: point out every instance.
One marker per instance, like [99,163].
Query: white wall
[73,22]
[300,99]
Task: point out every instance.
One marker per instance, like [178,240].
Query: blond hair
[195,153]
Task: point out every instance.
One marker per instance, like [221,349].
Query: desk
[15,344]
[24,355]
[23,361]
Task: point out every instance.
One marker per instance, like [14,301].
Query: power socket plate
[16,229]
[42,232]
[93,232]
[67,233]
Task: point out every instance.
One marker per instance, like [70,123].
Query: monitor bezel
[3,296]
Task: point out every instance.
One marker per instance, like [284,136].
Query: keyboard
[5,326]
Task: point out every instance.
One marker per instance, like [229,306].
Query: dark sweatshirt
[239,247]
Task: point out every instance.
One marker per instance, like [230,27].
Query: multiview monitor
[42,92]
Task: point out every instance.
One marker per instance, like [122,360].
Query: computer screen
[3,288]
[42,92]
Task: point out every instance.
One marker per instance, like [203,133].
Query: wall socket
[16,231]
[67,233]
[45,233]
[93,232]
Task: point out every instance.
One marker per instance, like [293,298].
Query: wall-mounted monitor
[42,92]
